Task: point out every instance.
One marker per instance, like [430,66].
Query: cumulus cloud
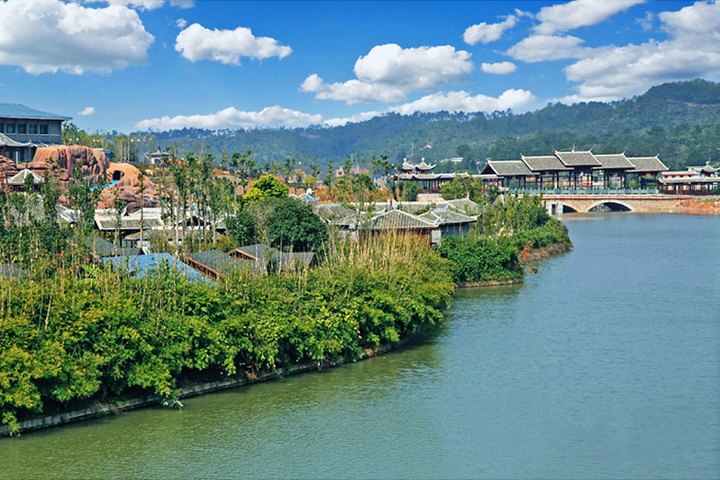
[181,23]
[226,46]
[233,118]
[646,22]
[458,101]
[139,4]
[692,50]
[579,13]
[462,101]
[86,111]
[389,72]
[146,4]
[44,36]
[539,48]
[499,68]
[182,3]
[488,32]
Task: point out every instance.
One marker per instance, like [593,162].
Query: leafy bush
[266,186]
[69,340]
[242,228]
[294,226]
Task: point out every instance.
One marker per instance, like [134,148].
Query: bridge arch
[612,205]
[557,208]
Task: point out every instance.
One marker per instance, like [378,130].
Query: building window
[2,127]
[10,128]
[43,129]
[32,129]
[22,128]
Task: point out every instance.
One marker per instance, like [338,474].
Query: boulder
[61,159]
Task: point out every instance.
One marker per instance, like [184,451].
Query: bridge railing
[581,191]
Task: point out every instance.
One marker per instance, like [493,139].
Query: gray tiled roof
[647,165]
[578,159]
[6,141]
[615,160]
[444,216]
[15,110]
[216,260]
[19,178]
[399,220]
[102,248]
[507,168]
[139,266]
[544,163]
[11,270]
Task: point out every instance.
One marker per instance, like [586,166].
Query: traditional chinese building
[426,181]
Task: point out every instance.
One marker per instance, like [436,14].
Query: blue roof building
[140,266]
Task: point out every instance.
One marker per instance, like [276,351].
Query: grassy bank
[506,234]
[72,339]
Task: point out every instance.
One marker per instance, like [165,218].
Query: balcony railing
[586,191]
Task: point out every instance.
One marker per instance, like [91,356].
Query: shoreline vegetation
[76,333]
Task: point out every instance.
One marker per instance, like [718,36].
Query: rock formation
[60,160]
[127,189]
[7,169]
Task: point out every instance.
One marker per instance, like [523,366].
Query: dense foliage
[508,227]
[69,339]
[294,226]
[266,186]
[242,228]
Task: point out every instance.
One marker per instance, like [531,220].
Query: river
[604,364]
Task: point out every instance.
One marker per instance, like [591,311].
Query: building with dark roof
[571,170]
[213,263]
[23,129]
[421,175]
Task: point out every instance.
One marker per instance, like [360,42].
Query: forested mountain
[679,121]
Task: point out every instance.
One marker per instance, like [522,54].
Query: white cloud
[181,23]
[459,101]
[462,101]
[182,3]
[539,48]
[693,50]
[233,118]
[389,72]
[139,4]
[486,33]
[499,68]
[579,13]
[49,35]
[357,118]
[87,111]
[146,4]
[646,22]
[226,46]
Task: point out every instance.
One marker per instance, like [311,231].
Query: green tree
[294,226]
[242,228]
[267,186]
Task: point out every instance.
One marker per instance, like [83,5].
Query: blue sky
[130,64]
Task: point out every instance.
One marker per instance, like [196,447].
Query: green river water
[604,364]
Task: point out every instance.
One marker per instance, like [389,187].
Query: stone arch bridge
[583,203]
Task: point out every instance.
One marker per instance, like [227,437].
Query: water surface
[605,364]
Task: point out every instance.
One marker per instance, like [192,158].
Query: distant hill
[680,121]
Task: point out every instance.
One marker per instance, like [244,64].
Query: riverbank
[247,376]
[72,341]
[104,409]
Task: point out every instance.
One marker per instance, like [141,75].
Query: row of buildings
[574,170]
